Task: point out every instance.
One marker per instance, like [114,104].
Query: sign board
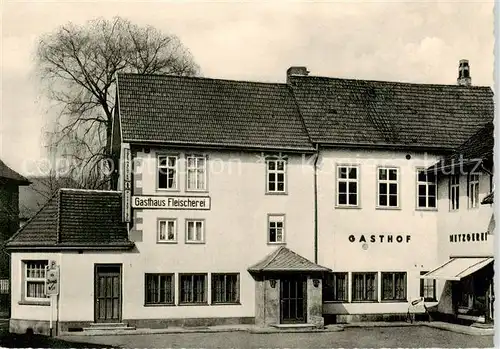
[126,182]
[172,202]
[52,279]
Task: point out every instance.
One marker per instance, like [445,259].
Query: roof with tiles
[210,112]
[362,112]
[75,218]
[479,147]
[7,173]
[283,259]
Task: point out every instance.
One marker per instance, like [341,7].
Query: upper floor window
[34,280]
[276,228]
[347,185]
[276,176]
[454,192]
[167,230]
[168,172]
[195,231]
[196,169]
[426,190]
[473,190]
[388,183]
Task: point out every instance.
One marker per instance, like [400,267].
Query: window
[167,230]
[276,172]
[364,287]
[388,187]
[347,185]
[473,190]
[168,172]
[426,190]
[159,289]
[454,192]
[276,228]
[225,288]
[195,231]
[394,286]
[35,280]
[196,172]
[193,288]
[335,287]
[427,288]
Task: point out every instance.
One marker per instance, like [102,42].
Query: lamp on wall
[315,282]
[272,282]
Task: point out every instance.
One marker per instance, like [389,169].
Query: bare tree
[78,65]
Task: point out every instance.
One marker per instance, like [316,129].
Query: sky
[418,42]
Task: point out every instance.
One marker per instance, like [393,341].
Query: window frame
[172,289]
[213,285]
[473,201]
[196,156]
[283,228]
[166,167]
[27,279]
[454,204]
[347,181]
[194,221]
[388,182]
[427,184]
[333,276]
[205,288]
[158,229]
[353,285]
[422,288]
[393,298]
[276,160]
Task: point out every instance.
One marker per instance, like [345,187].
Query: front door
[107,293]
[293,296]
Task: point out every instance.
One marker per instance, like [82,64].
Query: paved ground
[392,337]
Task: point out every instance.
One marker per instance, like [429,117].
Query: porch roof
[284,259]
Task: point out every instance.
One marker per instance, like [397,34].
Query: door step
[293,327]
[108,326]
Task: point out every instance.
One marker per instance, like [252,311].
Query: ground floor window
[335,287]
[34,278]
[159,289]
[225,288]
[364,287]
[427,288]
[193,288]
[394,286]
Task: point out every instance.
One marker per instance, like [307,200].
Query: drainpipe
[316,205]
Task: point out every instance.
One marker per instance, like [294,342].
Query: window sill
[336,302]
[426,209]
[276,243]
[276,193]
[39,303]
[193,304]
[195,242]
[165,190]
[160,305]
[195,191]
[166,242]
[364,301]
[388,208]
[394,301]
[347,207]
[218,304]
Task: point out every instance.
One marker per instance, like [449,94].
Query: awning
[458,268]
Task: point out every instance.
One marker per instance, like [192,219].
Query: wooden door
[293,296]
[107,293]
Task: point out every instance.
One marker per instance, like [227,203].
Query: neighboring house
[465,230]
[249,202]
[10,182]
[34,196]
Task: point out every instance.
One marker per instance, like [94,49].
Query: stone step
[110,326]
[293,327]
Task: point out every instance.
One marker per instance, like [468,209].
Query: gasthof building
[319,199]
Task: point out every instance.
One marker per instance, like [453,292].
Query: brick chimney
[464,73]
[297,71]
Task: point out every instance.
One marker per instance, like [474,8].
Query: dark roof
[76,218]
[41,189]
[478,147]
[361,112]
[209,112]
[283,259]
[488,199]
[7,173]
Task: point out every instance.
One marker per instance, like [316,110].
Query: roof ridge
[32,218]
[273,256]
